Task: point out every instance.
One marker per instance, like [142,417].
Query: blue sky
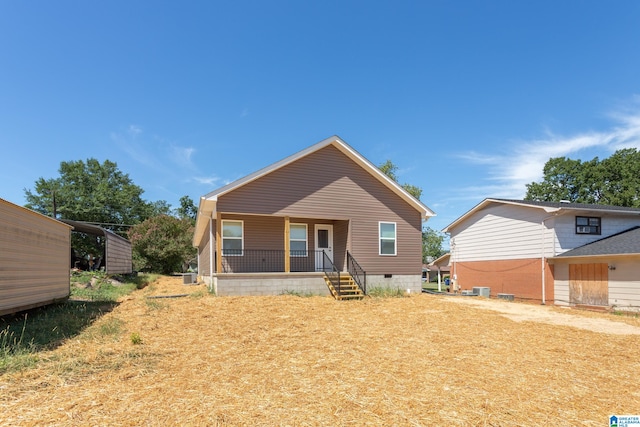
[468,98]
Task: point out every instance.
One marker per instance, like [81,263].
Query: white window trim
[241,238]
[395,238]
[306,240]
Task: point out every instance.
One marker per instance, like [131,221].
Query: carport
[116,258]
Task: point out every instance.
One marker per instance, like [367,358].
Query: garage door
[589,284]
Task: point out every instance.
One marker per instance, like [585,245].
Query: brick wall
[521,277]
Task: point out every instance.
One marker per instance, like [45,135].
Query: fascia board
[487,202]
[337,142]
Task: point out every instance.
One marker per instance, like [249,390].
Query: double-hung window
[298,240]
[232,237]
[387,238]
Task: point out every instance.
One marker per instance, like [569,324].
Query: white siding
[505,231]
[502,232]
[566,229]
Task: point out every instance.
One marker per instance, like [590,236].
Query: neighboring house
[439,267]
[514,246]
[293,226]
[34,259]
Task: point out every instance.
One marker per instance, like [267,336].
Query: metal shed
[117,253]
[34,259]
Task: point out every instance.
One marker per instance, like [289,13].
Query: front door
[324,242]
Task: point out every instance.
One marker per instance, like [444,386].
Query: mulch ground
[422,360]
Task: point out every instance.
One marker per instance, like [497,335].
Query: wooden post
[219,242]
[287,245]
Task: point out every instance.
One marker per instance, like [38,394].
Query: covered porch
[267,255]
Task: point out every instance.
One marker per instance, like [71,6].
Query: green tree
[187,209]
[162,244]
[389,169]
[621,178]
[92,192]
[612,181]
[431,244]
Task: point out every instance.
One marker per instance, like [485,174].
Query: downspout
[452,260]
[211,253]
[543,258]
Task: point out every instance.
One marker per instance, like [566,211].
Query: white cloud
[128,142]
[206,180]
[182,155]
[134,130]
[523,161]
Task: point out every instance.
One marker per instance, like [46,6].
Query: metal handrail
[357,272]
[332,273]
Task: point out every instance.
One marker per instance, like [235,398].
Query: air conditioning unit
[482,291]
[189,278]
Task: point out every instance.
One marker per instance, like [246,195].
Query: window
[387,235]
[298,240]
[587,225]
[232,238]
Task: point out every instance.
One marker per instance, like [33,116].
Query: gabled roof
[207,205]
[441,262]
[624,243]
[550,207]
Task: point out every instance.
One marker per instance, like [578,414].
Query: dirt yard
[422,360]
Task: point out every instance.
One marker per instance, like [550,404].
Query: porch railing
[271,261]
[358,274]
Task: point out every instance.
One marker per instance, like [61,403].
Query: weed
[386,292]
[301,294]
[198,294]
[14,353]
[110,327]
[154,304]
[23,335]
[136,339]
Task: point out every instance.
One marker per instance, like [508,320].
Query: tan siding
[204,267]
[34,258]
[328,185]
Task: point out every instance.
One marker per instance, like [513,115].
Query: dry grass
[292,361]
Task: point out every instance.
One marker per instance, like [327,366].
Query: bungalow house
[301,224]
[526,249]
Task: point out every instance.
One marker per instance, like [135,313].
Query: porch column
[219,242]
[287,245]
[211,235]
